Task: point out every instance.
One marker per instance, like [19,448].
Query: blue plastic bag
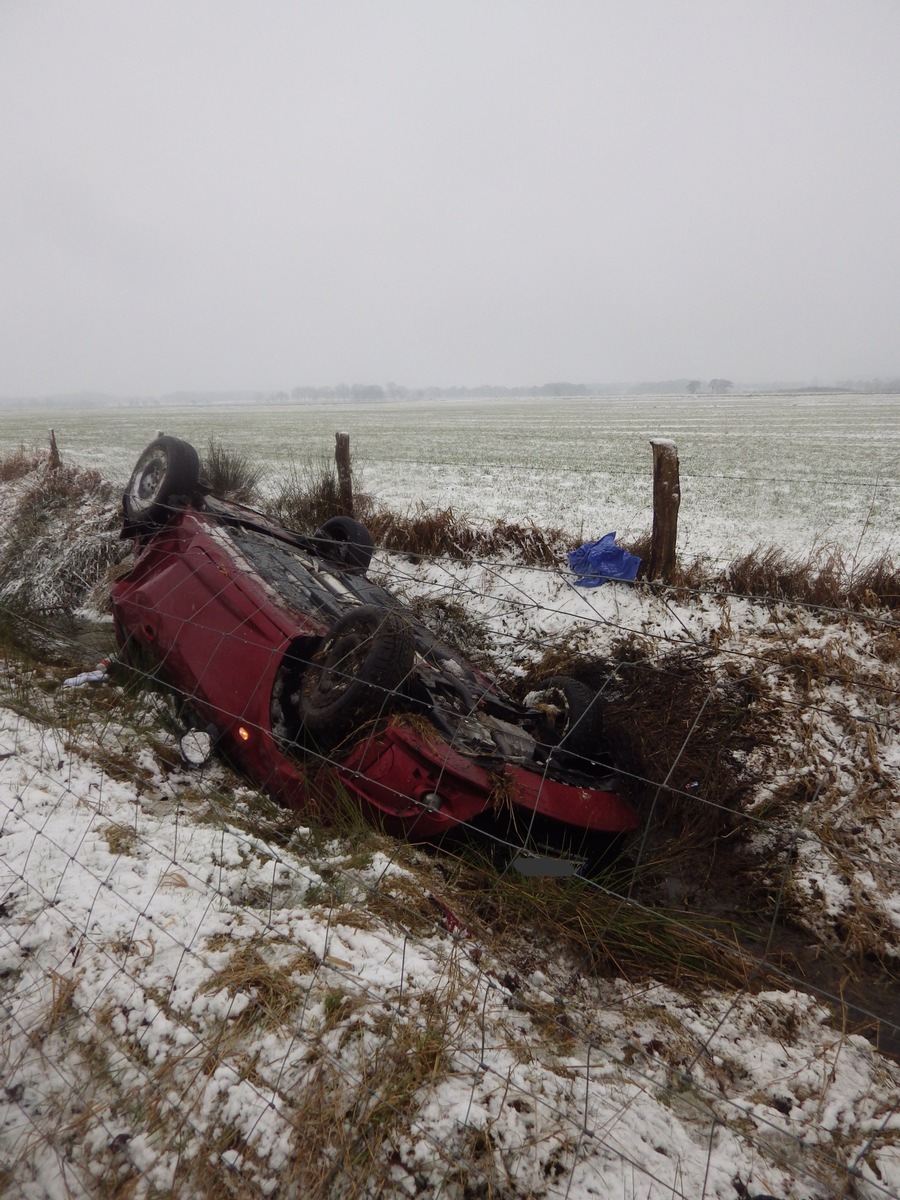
[596,562]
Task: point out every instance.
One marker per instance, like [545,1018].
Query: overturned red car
[315,681]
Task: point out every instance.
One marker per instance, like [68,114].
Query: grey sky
[203,194]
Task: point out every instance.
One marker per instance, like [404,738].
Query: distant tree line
[718,387]
[363,393]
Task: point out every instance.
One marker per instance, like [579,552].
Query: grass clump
[231,474]
[427,532]
[272,990]
[120,839]
[20,463]
[61,537]
[825,577]
[593,926]
[308,494]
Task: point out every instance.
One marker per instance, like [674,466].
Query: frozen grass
[191,1009]
[231,474]
[201,996]
[788,471]
[306,493]
[20,462]
[828,577]
[61,536]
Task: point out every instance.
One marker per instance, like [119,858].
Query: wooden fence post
[345,479]
[55,461]
[666,499]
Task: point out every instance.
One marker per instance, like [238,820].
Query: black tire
[168,468]
[355,673]
[345,541]
[571,718]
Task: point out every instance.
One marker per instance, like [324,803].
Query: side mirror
[196,747]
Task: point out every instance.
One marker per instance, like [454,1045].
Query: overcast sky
[203,194]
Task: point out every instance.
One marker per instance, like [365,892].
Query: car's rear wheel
[354,675]
[345,541]
[571,721]
[168,468]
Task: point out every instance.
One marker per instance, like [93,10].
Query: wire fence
[201,996]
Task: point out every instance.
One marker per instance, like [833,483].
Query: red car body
[223,606]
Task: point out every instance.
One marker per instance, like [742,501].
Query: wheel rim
[343,662]
[147,483]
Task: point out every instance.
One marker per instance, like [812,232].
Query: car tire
[354,675]
[572,718]
[168,468]
[345,541]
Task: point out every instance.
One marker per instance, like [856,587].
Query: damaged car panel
[315,679]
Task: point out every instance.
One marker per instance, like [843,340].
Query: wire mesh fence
[192,1006]
[205,993]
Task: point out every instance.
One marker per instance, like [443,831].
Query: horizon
[343,392]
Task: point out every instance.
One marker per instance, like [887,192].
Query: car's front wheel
[354,675]
[168,468]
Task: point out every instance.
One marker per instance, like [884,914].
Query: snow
[655,1094]
[188,995]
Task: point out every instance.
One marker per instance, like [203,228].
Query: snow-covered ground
[821,806]
[790,470]
[182,997]
[199,997]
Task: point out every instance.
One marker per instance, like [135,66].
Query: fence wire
[296,1042]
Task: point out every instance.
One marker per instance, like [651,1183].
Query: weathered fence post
[345,479]
[55,461]
[666,499]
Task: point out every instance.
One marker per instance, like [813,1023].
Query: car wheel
[168,468]
[345,541]
[355,673]
[571,717]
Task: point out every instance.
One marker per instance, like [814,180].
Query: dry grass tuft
[61,539]
[231,474]
[348,1131]
[21,463]
[593,926]
[120,839]
[62,1002]
[878,582]
[273,991]
[404,903]
[825,576]
[309,493]
[443,532]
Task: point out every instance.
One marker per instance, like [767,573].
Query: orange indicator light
[243,734]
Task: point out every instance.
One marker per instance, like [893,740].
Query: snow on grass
[820,808]
[186,1004]
[61,535]
[787,470]
[200,996]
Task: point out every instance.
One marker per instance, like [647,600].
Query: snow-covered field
[200,998]
[178,994]
[789,470]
